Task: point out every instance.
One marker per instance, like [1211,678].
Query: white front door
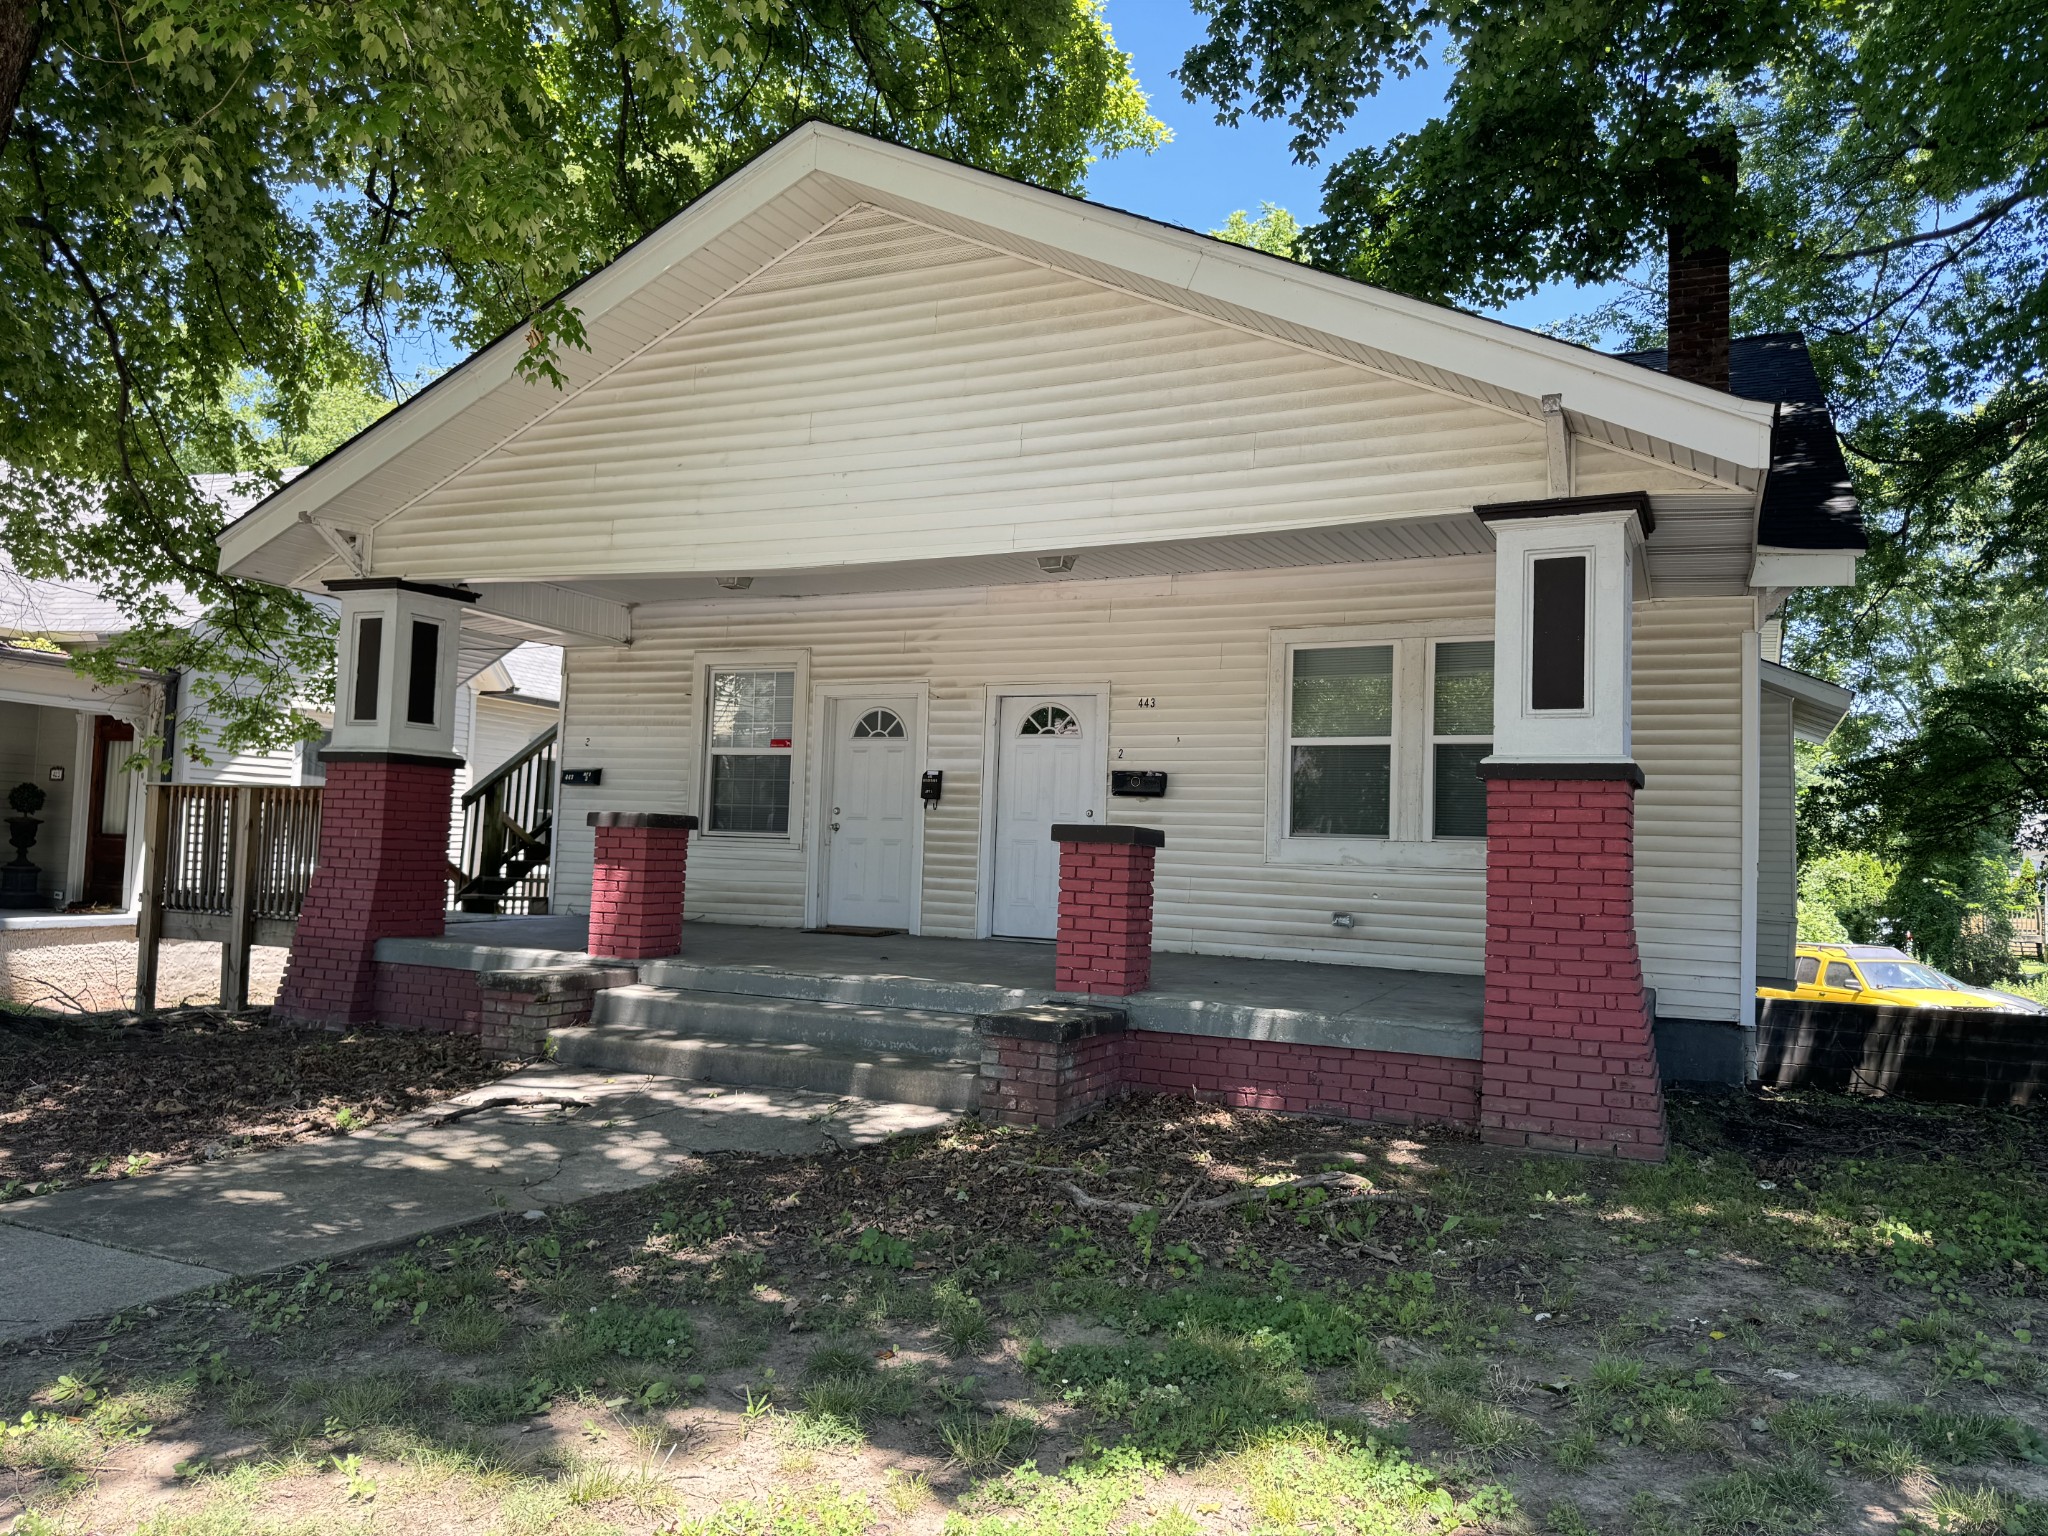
[1047,771]
[870,834]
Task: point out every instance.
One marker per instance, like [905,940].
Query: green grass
[1898,1440]
[1779,1499]
[1198,1391]
[1671,1409]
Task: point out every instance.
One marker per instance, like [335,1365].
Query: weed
[979,1441]
[963,1324]
[1896,1440]
[879,1250]
[491,1402]
[1985,1511]
[470,1328]
[1565,1518]
[637,1332]
[1576,1451]
[834,1360]
[1306,1478]
[1673,1410]
[358,1403]
[1777,1499]
[815,1430]
[906,1495]
[1199,1390]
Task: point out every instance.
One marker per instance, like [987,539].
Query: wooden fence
[226,864]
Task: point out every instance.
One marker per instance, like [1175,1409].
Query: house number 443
[1148,703]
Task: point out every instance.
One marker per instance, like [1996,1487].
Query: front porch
[896,1016]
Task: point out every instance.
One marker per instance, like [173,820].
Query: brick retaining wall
[1391,1086]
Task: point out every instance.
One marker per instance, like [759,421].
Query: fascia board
[1819,705]
[1803,568]
[1642,399]
[731,201]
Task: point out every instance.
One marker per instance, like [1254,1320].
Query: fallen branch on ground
[1089,1202]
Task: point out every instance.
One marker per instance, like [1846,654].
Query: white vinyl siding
[199,726]
[1777,871]
[888,392]
[501,731]
[1688,739]
[1201,648]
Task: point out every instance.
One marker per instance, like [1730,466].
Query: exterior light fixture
[1055,565]
[735,583]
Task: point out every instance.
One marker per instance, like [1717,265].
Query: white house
[896,512]
[74,738]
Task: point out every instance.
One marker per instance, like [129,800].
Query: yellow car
[1876,973]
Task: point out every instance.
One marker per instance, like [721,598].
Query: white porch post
[1568,1062]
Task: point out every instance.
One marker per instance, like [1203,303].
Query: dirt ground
[107,1096]
[1821,1315]
[47,969]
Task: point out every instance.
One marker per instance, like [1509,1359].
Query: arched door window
[885,723]
[1050,720]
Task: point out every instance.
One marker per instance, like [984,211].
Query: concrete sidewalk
[545,1137]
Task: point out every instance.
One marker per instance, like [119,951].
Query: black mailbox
[929,786]
[1137,783]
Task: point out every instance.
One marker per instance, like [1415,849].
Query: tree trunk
[1696,291]
[18,19]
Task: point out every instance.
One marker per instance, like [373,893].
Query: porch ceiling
[1700,549]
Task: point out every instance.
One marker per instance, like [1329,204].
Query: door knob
[835,826]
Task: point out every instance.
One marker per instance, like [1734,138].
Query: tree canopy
[1888,202]
[195,194]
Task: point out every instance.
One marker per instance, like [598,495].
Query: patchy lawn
[1821,1316]
[111,1096]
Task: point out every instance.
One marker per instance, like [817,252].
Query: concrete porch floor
[1357,996]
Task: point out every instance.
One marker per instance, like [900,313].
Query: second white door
[1048,770]
[871,829]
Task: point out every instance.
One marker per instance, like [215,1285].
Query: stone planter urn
[21,880]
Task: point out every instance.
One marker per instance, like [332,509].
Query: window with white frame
[1340,741]
[1460,735]
[751,738]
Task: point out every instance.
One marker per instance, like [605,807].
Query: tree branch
[1989,213]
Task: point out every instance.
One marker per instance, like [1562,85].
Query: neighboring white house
[73,737]
[896,512]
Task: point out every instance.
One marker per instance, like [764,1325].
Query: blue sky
[1209,170]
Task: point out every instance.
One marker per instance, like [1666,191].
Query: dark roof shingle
[1809,502]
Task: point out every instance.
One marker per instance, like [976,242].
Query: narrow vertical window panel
[369,668]
[423,673]
[1557,633]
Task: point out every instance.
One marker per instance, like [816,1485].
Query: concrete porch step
[942,1035]
[899,1055]
[873,989]
[885,1076]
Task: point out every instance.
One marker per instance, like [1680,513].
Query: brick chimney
[1696,291]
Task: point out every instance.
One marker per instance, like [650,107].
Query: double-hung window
[1460,735]
[752,737]
[1340,741]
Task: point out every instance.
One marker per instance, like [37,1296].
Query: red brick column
[1569,1062]
[636,885]
[1105,930]
[382,874]
[1051,1064]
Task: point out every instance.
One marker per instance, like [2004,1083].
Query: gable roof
[818,173]
[1809,501]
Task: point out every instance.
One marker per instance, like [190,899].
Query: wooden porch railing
[226,864]
[508,827]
